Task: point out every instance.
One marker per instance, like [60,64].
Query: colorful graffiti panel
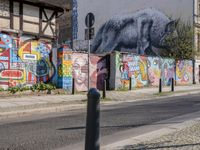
[154,72]
[121,77]
[28,64]
[131,66]
[36,57]
[137,70]
[184,72]
[64,63]
[197,73]
[80,71]
[167,71]
[98,71]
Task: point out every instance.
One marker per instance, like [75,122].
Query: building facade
[28,34]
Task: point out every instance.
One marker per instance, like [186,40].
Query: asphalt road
[58,130]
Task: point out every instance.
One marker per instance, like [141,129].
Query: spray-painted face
[80,70]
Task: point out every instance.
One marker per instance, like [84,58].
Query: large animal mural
[143,32]
[98,71]
[130,25]
[28,64]
[184,72]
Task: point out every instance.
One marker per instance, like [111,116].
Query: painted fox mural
[141,31]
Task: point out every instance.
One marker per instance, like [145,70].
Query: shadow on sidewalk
[104,127]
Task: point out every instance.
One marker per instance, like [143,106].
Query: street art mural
[129,26]
[64,64]
[28,64]
[142,32]
[167,71]
[137,70]
[131,66]
[98,71]
[197,73]
[146,71]
[80,71]
[121,76]
[154,70]
[184,72]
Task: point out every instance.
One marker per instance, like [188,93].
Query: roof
[59,3]
[47,3]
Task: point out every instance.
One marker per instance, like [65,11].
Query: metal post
[172,85]
[88,20]
[73,86]
[93,120]
[193,71]
[160,85]
[104,89]
[130,83]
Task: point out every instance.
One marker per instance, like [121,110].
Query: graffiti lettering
[11,74]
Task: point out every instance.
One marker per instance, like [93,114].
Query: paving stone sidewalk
[183,139]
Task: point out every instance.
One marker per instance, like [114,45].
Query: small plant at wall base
[182,46]
[42,87]
[14,90]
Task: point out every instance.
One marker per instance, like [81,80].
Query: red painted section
[11,74]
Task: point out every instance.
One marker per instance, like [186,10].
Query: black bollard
[160,85]
[172,85]
[73,86]
[130,83]
[93,120]
[104,89]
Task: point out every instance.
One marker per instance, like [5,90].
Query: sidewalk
[54,103]
[179,133]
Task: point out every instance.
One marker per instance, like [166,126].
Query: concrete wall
[98,71]
[184,72]
[146,71]
[24,62]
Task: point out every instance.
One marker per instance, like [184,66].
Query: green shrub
[1,90]
[36,87]
[42,87]
[14,90]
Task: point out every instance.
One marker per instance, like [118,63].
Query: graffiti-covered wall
[154,71]
[24,62]
[184,72]
[167,71]
[64,64]
[135,26]
[98,71]
[131,66]
[146,71]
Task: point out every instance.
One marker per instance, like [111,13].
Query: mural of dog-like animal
[142,30]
